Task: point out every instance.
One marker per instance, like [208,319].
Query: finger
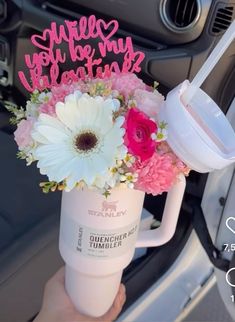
[121,298]
[59,275]
[116,308]
[57,278]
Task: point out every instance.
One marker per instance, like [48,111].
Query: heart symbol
[102,27]
[229,222]
[40,40]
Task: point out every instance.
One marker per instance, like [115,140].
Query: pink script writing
[71,33]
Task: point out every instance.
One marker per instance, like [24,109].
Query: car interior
[176,37]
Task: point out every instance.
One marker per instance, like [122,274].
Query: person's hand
[57,306]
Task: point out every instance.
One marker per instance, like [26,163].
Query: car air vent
[180,15]
[222,19]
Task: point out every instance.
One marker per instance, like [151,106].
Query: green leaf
[48,186]
[106,193]
[163,125]
[19,112]
[21,155]
[155,85]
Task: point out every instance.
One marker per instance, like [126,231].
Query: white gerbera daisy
[81,143]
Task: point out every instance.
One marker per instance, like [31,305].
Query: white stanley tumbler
[98,236]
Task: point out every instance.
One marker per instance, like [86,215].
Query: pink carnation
[139,129]
[148,102]
[23,133]
[47,108]
[157,174]
[58,95]
[126,84]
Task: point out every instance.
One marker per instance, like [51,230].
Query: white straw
[210,63]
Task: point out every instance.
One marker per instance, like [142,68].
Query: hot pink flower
[126,84]
[148,102]
[138,134]
[23,133]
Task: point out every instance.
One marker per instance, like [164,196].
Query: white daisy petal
[72,98]
[112,104]
[116,104]
[101,163]
[52,134]
[99,181]
[53,159]
[48,149]
[46,119]
[113,137]
[65,113]
[119,121]
[70,183]
[122,151]
[88,116]
[39,137]
[65,170]
[90,177]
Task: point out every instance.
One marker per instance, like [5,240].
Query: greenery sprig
[18,111]
[51,186]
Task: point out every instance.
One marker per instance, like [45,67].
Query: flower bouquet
[99,139]
[98,134]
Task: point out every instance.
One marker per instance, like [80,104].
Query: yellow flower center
[160,136]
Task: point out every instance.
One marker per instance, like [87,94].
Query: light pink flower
[157,174]
[148,102]
[58,95]
[47,108]
[126,84]
[139,129]
[23,133]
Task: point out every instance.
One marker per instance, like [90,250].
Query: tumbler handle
[161,235]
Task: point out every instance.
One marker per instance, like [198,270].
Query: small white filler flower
[81,143]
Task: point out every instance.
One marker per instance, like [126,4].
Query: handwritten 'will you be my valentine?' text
[89,58]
